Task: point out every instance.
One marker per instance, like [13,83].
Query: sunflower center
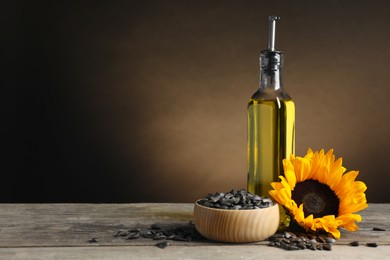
[317,198]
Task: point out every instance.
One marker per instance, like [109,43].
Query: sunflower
[318,195]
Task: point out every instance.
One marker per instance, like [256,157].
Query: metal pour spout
[271,32]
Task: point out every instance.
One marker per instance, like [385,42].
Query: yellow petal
[287,165]
[347,179]
[286,187]
[348,221]
[335,233]
[330,156]
[350,176]
[302,169]
[359,186]
[322,175]
[276,185]
[275,195]
[335,177]
[309,154]
[291,179]
[336,165]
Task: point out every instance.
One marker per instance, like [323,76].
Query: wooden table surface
[64,231]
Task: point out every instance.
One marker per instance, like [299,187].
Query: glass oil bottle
[271,121]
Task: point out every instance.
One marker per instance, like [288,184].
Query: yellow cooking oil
[271,138]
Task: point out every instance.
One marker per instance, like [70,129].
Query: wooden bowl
[237,226]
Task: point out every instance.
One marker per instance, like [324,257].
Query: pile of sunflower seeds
[235,200]
[178,232]
[300,241]
[291,241]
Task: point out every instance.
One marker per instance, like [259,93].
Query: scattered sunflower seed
[354,243]
[330,240]
[178,232]
[155,227]
[162,244]
[93,240]
[288,235]
[372,244]
[159,237]
[327,247]
[147,234]
[378,229]
[133,235]
[122,233]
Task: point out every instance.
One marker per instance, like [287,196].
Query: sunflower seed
[226,203]
[330,240]
[273,239]
[171,236]
[147,234]
[372,244]
[162,245]
[354,243]
[257,198]
[327,247]
[155,227]
[303,237]
[179,238]
[291,247]
[208,204]
[313,245]
[378,229]
[228,195]
[214,199]
[289,235]
[296,239]
[93,240]
[122,233]
[301,245]
[159,237]
[133,235]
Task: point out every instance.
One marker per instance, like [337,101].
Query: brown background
[137,101]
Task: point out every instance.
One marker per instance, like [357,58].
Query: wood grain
[62,231]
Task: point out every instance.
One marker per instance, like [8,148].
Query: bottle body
[271,138]
[271,126]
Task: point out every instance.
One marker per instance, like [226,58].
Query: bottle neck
[271,80]
[271,70]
